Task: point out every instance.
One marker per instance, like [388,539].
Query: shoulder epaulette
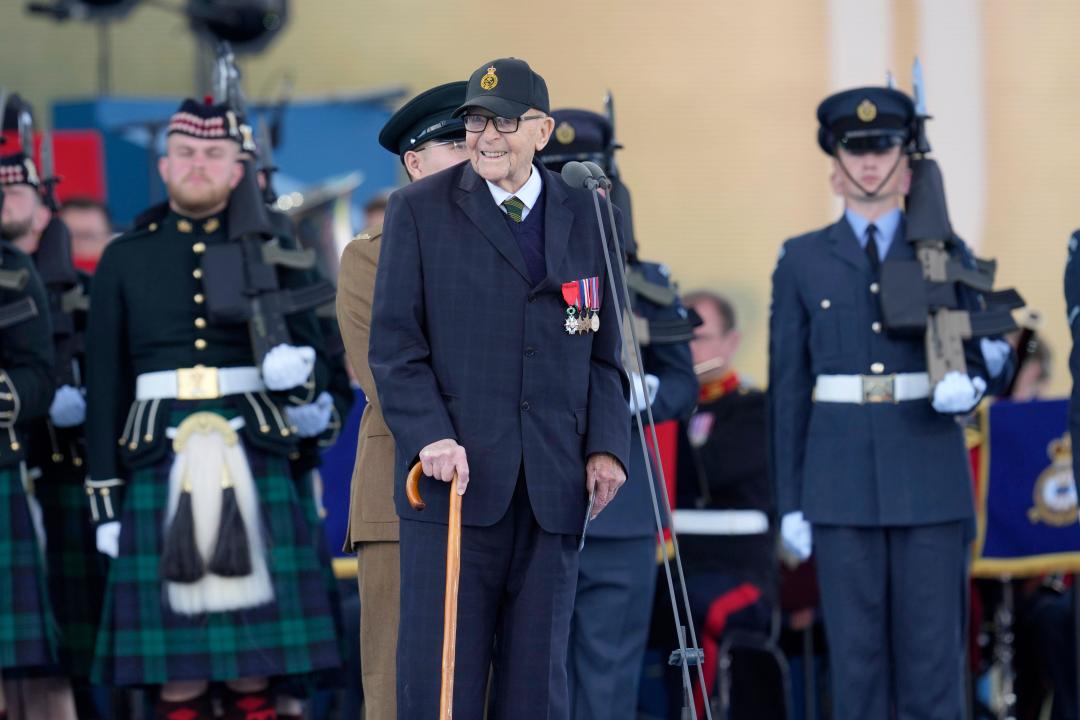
[372,232]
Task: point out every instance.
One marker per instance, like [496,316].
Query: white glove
[108,538]
[287,366]
[637,393]
[958,393]
[68,407]
[796,535]
[995,354]
[311,419]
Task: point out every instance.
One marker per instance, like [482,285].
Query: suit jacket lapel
[558,219]
[476,201]
[846,247]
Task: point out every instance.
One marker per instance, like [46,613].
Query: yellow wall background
[715,103]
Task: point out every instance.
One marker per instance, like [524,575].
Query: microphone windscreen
[575,174]
[595,170]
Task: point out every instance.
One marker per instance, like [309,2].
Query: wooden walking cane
[453,571]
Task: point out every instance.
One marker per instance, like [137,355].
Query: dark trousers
[514,604]
[893,600]
[615,583]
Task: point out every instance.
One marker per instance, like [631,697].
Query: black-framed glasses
[479,123]
[455,145]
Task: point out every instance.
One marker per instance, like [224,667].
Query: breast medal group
[582,305]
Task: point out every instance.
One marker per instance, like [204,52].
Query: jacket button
[877,368]
[875,288]
[826,304]
[197,273]
[532,298]
[525,406]
[200,344]
[199,298]
[200,322]
[198,248]
[529,352]
[876,326]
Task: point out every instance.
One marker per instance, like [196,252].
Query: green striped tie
[514,208]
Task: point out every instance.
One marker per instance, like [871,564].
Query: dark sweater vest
[529,234]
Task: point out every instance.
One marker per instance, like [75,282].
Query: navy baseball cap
[868,119]
[507,87]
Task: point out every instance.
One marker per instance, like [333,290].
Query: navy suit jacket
[463,346]
[843,463]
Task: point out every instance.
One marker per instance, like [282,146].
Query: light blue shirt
[887,225]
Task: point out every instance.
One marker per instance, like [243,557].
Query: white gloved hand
[995,354]
[68,407]
[958,393]
[796,535]
[108,538]
[311,419]
[637,393]
[287,366]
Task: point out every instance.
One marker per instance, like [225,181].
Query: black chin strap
[875,191]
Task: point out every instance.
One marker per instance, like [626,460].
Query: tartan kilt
[76,570]
[334,678]
[142,642]
[27,629]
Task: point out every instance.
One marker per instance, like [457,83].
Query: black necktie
[871,248]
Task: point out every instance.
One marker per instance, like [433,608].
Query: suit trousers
[893,600]
[378,576]
[615,587]
[516,595]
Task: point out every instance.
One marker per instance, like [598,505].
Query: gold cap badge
[565,133]
[866,111]
[489,81]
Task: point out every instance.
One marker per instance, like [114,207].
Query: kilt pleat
[76,570]
[142,642]
[28,632]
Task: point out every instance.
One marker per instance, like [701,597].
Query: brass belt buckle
[197,383]
[879,388]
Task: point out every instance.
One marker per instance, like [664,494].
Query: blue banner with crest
[1026,497]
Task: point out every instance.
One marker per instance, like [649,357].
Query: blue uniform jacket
[464,346]
[630,514]
[842,463]
[1072,306]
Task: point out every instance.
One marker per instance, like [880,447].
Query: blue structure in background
[320,139]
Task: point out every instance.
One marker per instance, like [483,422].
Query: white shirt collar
[528,194]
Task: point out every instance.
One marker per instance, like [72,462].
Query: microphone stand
[579,175]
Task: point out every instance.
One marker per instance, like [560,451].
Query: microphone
[576,175]
[598,173]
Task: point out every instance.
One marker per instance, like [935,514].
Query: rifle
[241,276]
[56,267]
[924,296]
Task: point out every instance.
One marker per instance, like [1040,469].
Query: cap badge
[565,133]
[490,80]
[866,111]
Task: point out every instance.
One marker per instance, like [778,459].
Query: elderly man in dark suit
[495,352]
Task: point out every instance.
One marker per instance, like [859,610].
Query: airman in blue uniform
[865,450]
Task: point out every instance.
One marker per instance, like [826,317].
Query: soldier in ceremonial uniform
[726,506]
[216,578]
[428,140]
[617,565]
[864,449]
[486,374]
[29,655]
[56,443]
